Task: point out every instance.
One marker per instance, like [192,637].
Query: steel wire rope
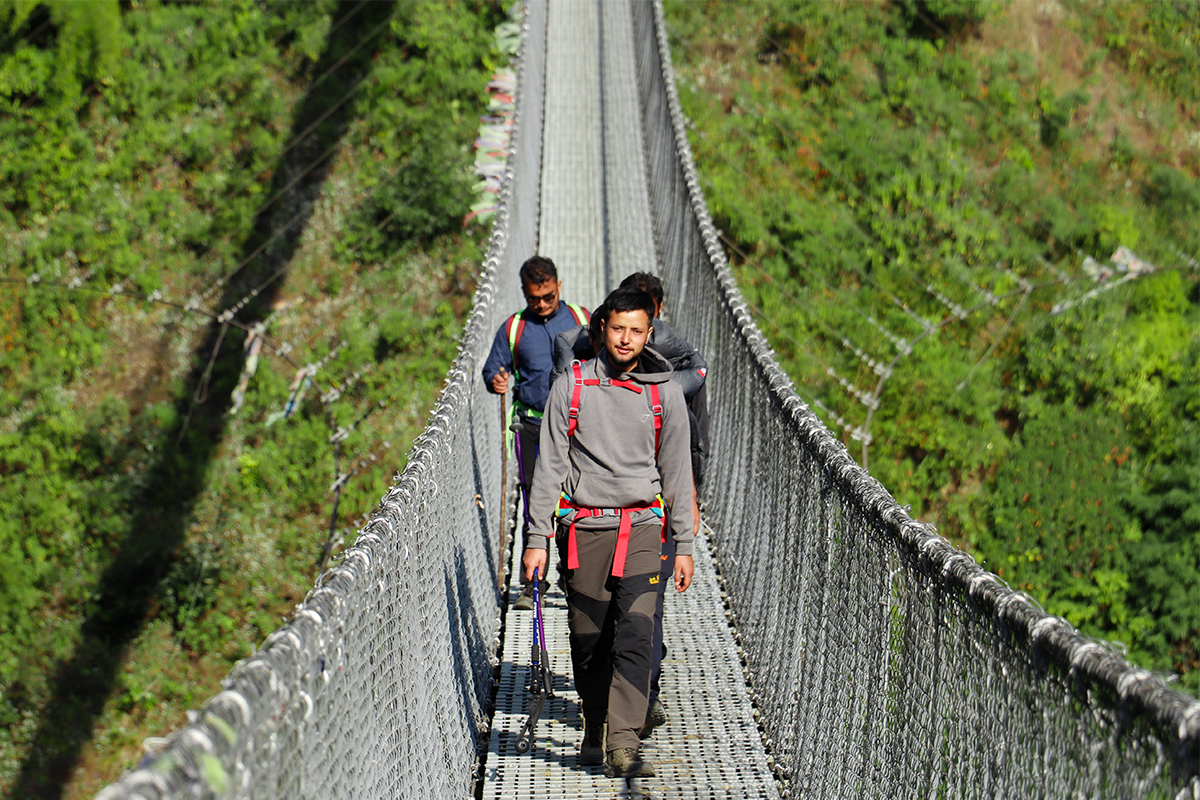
[994,343]
[924,284]
[302,214]
[868,399]
[993,299]
[226,317]
[336,66]
[295,141]
[602,99]
[1038,220]
[190,306]
[200,394]
[871,399]
[304,134]
[957,311]
[341,433]
[193,304]
[282,350]
[29,36]
[928,289]
[340,479]
[837,417]
[334,28]
[852,389]
[898,342]
[871,363]
[1025,291]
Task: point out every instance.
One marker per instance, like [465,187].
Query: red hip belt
[565,506]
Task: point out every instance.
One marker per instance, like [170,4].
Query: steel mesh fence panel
[378,685]
[884,662]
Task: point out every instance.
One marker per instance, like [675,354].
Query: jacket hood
[651,368]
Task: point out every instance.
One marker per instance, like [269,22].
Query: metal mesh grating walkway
[595,222]
[710,747]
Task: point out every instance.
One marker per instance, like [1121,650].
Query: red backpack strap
[656,407]
[576,394]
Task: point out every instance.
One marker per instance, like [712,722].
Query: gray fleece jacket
[610,462]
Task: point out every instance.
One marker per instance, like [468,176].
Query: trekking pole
[540,685]
[500,571]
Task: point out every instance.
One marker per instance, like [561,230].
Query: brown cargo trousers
[612,627]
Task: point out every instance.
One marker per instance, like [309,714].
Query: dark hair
[650,284]
[599,314]
[537,270]
[627,298]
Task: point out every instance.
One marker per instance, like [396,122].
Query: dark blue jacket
[535,354]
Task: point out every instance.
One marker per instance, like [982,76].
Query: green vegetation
[924,201]
[908,191]
[304,166]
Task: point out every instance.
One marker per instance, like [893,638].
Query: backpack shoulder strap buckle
[576,394]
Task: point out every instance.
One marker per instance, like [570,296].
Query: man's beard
[622,366]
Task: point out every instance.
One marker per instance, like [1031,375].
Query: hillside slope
[968,229]
[186,189]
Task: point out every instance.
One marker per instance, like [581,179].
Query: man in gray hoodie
[615,456]
[689,370]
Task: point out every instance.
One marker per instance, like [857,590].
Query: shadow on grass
[126,591]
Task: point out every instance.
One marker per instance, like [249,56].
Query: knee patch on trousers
[644,605]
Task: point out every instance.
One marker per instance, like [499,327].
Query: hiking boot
[627,762]
[591,753]
[656,715]
[524,600]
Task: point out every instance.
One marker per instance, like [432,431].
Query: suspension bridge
[842,650]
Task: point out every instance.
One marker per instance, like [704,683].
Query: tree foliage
[926,210]
[149,153]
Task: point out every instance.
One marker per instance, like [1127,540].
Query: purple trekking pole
[539,671]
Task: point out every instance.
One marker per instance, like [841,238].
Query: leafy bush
[126,204]
[901,191]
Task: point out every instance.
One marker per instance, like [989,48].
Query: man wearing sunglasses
[521,360]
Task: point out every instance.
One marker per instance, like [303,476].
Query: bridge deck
[709,748]
[595,224]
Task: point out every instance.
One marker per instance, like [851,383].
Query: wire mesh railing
[885,663]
